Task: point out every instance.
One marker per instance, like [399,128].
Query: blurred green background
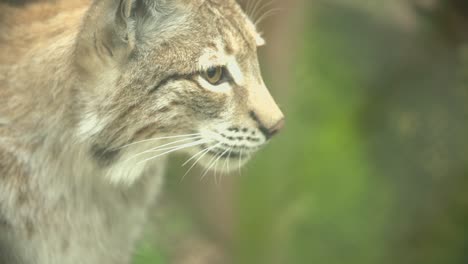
[372,166]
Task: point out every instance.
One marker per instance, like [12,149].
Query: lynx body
[93,95]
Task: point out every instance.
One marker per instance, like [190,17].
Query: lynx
[93,97]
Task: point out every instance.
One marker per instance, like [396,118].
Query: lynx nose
[265,111]
[276,128]
[268,131]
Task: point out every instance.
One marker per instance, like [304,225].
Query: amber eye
[214,75]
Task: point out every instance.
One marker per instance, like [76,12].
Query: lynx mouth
[226,151]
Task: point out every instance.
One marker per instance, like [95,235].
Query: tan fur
[86,87]
[23,27]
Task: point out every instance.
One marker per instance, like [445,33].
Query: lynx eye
[215,75]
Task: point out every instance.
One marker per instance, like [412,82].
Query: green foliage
[147,254]
[371,167]
[312,197]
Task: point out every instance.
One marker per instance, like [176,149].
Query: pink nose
[268,131]
[276,128]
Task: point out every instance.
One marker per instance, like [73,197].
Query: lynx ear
[131,13]
[118,35]
[108,33]
[125,20]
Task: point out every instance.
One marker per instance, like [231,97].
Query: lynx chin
[94,95]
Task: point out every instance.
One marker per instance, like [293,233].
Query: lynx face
[163,76]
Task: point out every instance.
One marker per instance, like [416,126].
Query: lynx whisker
[216,163]
[229,160]
[159,138]
[240,161]
[226,162]
[251,6]
[174,149]
[210,165]
[255,8]
[267,14]
[194,156]
[258,4]
[216,166]
[162,147]
[203,153]
[246,4]
[168,145]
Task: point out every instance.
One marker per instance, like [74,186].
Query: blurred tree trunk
[450,17]
[417,125]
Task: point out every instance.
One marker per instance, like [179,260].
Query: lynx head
[159,76]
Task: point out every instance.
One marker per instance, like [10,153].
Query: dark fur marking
[22,198]
[211,45]
[197,83]
[174,77]
[125,113]
[253,139]
[228,49]
[164,109]
[176,103]
[142,131]
[226,155]
[104,156]
[261,127]
[65,245]
[30,229]
[19,2]
[210,109]
[3,222]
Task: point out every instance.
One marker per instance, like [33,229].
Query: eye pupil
[214,75]
[212,72]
